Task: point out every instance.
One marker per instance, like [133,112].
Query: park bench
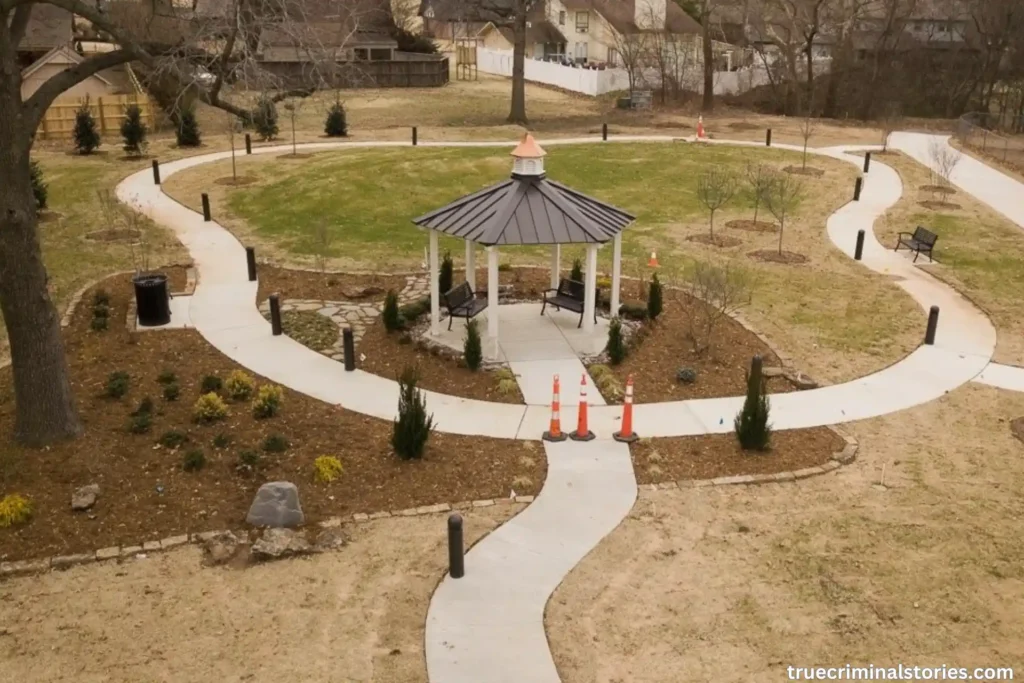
[461,302]
[569,295]
[921,241]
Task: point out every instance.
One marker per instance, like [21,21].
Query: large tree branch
[19,23]
[36,106]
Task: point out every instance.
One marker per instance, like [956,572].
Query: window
[582,22]
[362,54]
[581,53]
[380,54]
[561,18]
[613,57]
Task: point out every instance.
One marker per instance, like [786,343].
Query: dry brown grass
[358,612]
[737,583]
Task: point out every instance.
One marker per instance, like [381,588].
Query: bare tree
[715,187]
[322,239]
[182,54]
[890,121]
[758,177]
[670,55]
[711,294]
[943,160]
[231,127]
[632,49]
[808,126]
[783,194]
[706,9]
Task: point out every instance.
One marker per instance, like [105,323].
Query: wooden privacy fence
[108,111]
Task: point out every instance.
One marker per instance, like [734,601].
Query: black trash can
[152,299]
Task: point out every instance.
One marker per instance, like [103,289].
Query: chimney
[529,159]
[649,15]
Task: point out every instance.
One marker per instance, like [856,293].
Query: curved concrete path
[223,310]
[488,627]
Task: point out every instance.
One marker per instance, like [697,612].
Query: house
[323,42]
[592,31]
[61,59]
[48,27]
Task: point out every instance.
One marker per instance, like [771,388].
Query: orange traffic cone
[700,127]
[653,263]
[582,433]
[555,432]
[626,434]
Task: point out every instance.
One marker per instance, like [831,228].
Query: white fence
[594,82]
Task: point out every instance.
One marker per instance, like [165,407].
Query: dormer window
[582,22]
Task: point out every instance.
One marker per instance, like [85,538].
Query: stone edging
[843,457]
[25,567]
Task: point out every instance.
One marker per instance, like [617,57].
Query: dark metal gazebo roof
[528,210]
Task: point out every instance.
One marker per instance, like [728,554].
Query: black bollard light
[933,325]
[768,138]
[206,207]
[456,559]
[857,188]
[250,261]
[275,315]
[867,161]
[858,253]
[415,137]
[604,131]
[248,144]
[349,347]
[156,172]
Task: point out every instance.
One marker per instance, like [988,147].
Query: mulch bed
[719,455]
[388,355]
[311,329]
[939,205]
[665,347]
[240,180]
[752,226]
[716,241]
[302,284]
[112,235]
[809,171]
[147,496]
[773,256]
[937,189]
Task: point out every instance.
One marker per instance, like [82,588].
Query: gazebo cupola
[526,209]
[529,159]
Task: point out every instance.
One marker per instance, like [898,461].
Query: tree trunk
[517,114]
[45,407]
[708,103]
[809,55]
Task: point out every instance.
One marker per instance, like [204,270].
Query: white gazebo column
[435,295]
[556,265]
[590,278]
[492,296]
[616,273]
[471,264]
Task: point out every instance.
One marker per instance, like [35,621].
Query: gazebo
[527,209]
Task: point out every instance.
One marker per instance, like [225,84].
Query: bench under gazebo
[526,209]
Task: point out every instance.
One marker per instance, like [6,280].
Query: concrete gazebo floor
[537,347]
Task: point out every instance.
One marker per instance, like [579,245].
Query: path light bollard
[348,341]
[933,325]
[604,132]
[275,315]
[857,188]
[768,138]
[156,172]
[456,559]
[250,262]
[858,253]
[248,144]
[867,161]
[414,136]
[206,208]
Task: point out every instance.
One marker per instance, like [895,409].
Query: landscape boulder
[85,497]
[276,505]
[330,539]
[221,547]
[276,544]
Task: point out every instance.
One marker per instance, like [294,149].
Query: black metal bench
[570,296]
[461,302]
[922,241]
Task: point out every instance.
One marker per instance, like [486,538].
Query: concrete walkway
[223,310]
[488,627]
[1002,376]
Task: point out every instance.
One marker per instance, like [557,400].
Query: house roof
[301,42]
[537,31]
[528,210]
[62,54]
[48,27]
[621,14]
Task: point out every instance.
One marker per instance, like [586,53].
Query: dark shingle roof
[49,26]
[528,210]
[621,14]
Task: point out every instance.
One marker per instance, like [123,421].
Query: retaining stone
[108,553]
[65,561]
[173,541]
